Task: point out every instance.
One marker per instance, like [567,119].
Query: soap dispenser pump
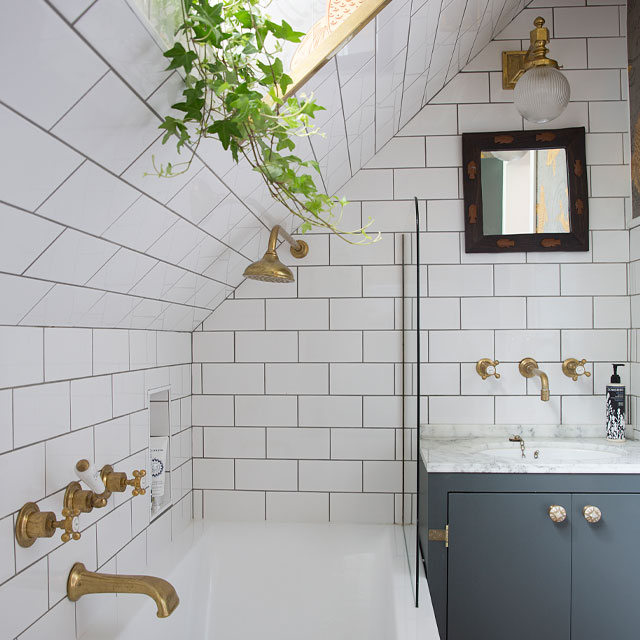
[616,402]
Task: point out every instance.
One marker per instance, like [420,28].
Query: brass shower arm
[298,249]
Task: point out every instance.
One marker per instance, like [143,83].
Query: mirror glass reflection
[525,191]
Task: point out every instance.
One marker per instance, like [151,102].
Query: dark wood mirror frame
[573,141]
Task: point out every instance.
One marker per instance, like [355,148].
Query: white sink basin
[548,454]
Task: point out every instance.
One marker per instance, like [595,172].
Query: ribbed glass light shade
[541,94]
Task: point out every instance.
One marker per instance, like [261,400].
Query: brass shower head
[270,269]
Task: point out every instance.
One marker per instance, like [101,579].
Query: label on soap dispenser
[615,412]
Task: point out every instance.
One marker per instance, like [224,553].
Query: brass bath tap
[529,368]
[82,582]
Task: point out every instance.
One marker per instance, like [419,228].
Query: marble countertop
[560,449]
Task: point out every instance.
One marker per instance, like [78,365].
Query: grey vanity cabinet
[511,573]
[509,568]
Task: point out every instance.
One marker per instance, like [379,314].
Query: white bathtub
[240,581]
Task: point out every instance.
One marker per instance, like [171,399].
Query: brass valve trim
[570,368]
[483,365]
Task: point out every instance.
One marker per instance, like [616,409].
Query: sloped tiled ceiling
[89,240]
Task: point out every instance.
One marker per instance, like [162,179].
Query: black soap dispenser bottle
[616,404]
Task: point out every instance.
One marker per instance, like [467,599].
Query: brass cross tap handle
[69,524]
[487,368]
[573,368]
[136,481]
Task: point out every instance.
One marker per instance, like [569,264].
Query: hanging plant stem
[235,85]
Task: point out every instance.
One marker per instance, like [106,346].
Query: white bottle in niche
[616,404]
[158,450]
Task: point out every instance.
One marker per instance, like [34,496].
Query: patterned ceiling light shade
[542,94]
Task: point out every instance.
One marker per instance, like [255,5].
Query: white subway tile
[425,183]
[444,151]
[379,252]
[610,180]
[584,410]
[237,315]
[363,444]
[382,477]
[460,346]
[440,313]
[142,349]
[606,213]
[381,411]
[432,120]
[6,420]
[594,84]
[298,443]
[445,215]
[513,346]
[439,379]
[382,281]
[233,378]
[395,216]
[360,379]
[604,148]
[62,454]
[62,618]
[608,116]
[399,152]
[90,401]
[174,347]
[362,313]
[586,22]
[464,88]
[31,486]
[607,53]
[40,412]
[370,184]
[330,411]
[113,532]
[460,410]
[234,442]
[565,312]
[510,382]
[330,475]
[270,475]
[110,351]
[330,346]
[488,117]
[297,314]
[527,410]
[266,346]
[210,346]
[234,506]
[527,280]
[111,441]
[460,280]
[24,599]
[369,508]
[285,506]
[128,392]
[67,353]
[21,356]
[213,474]
[612,312]
[266,411]
[593,279]
[610,246]
[329,282]
[439,248]
[598,344]
[382,346]
[294,379]
[493,313]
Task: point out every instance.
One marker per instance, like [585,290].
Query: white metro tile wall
[331,398]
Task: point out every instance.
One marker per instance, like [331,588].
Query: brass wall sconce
[573,368]
[269,268]
[541,91]
[32,523]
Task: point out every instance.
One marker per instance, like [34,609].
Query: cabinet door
[509,567]
[606,568]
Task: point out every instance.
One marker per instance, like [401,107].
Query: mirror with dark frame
[525,191]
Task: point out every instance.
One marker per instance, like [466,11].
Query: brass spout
[82,582]
[529,368]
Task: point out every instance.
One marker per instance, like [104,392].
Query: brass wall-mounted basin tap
[82,582]
[529,368]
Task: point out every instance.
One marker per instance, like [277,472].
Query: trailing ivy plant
[235,85]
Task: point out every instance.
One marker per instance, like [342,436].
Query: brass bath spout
[529,368]
[82,582]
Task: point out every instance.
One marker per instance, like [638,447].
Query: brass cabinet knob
[557,513]
[592,514]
